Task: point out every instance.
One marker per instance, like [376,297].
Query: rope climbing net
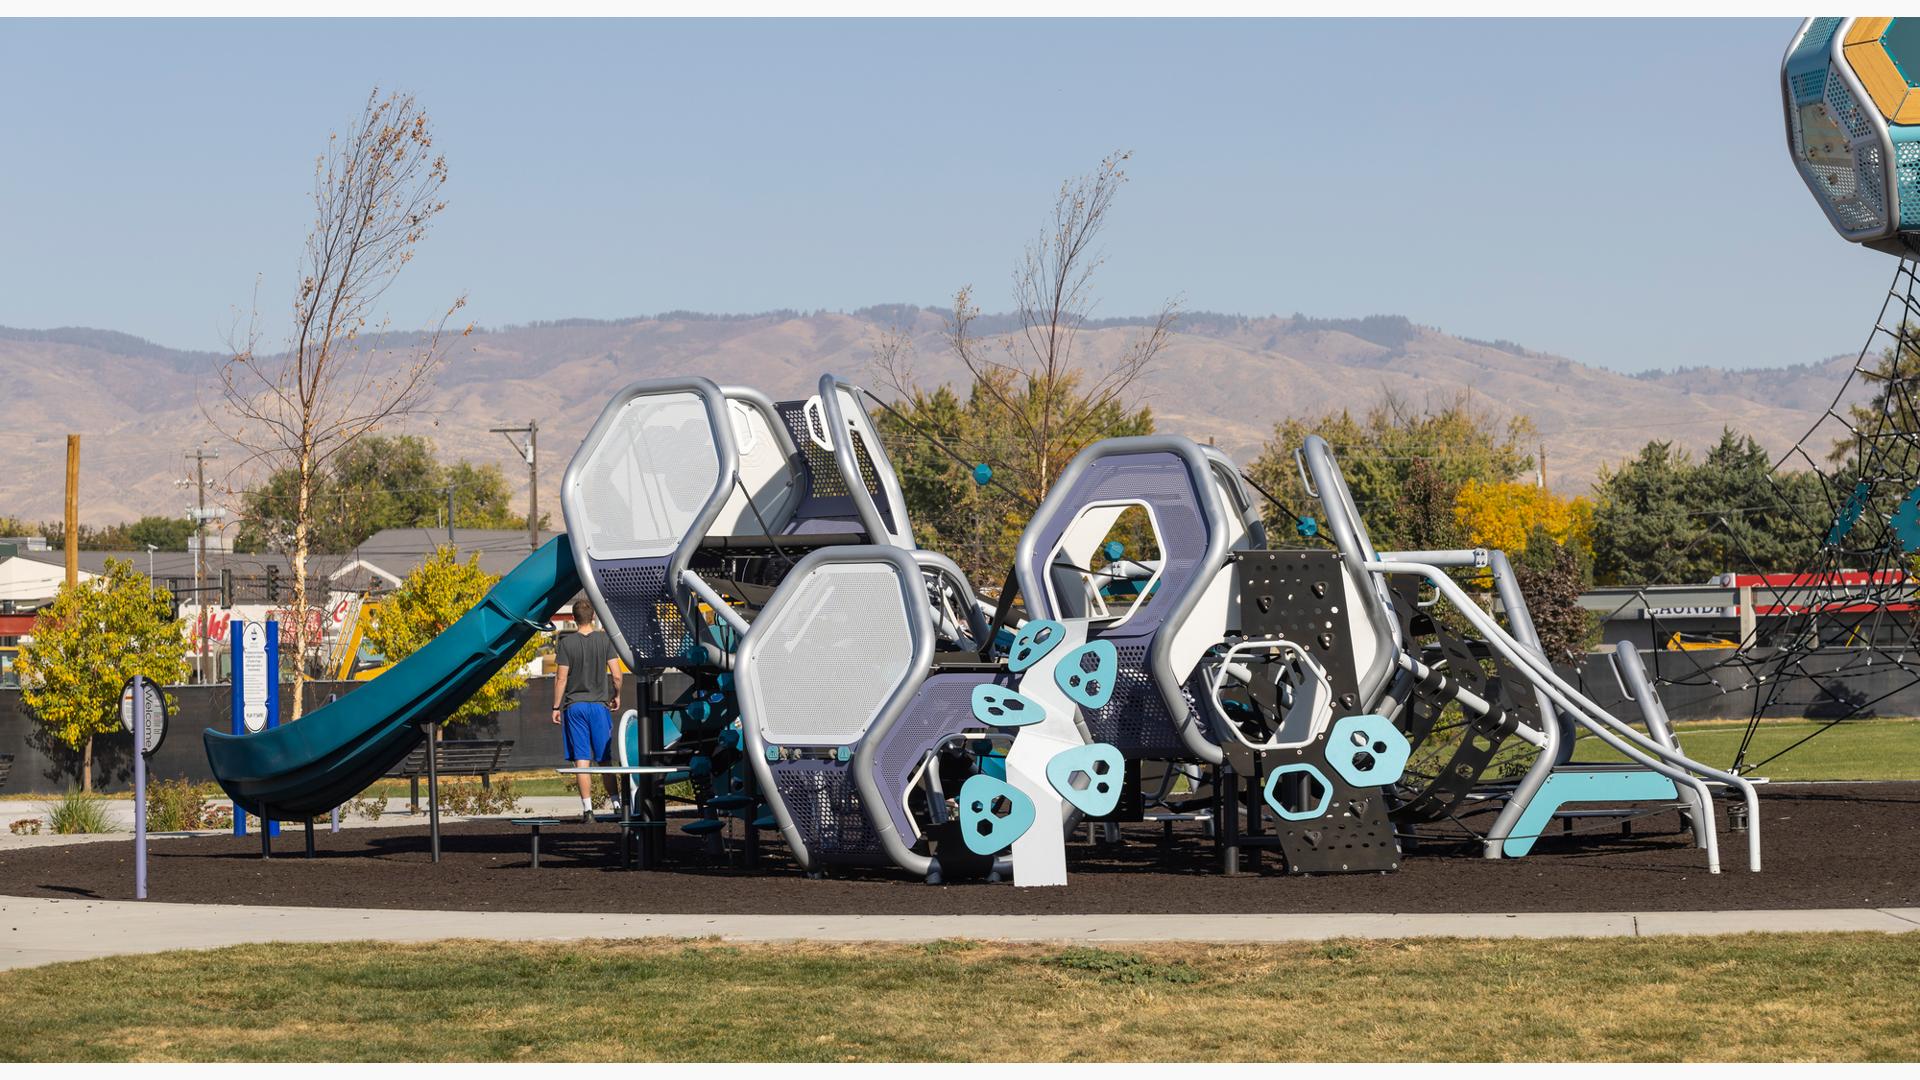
[1848,611]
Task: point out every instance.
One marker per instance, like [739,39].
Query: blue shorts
[589,727]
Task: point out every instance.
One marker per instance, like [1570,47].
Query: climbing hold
[1089,777]
[1005,708]
[1114,550]
[1367,750]
[1306,526]
[1849,514]
[1086,674]
[1906,522]
[993,814]
[1280,806]
[982,474]
[1033,643]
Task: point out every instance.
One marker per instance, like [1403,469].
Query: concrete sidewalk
[37,931]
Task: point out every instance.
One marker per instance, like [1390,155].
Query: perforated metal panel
[832,655]
[825,808]
[943,707]
[639,604]
[1907,164]
[645,482]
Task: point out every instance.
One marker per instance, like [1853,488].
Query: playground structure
[832,682]
[837,685]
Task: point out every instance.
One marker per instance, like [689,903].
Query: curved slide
[330,755]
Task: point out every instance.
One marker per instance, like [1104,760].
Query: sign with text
[251,673]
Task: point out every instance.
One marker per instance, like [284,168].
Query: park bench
[6,768]
[453,757]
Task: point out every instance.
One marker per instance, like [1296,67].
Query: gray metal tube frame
[699,587]
[849,464]
[1189,726]
[1639,689]
[977,623]
[1323,479]
[729,468]
[1555,735]
[1236,485]
[1600,722]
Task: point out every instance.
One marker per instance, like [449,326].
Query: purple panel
[640,604]
[822,803]
[1136,720]
[942,708]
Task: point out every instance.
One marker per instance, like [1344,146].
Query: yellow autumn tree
[94,637]
[433,598]
[1504,516]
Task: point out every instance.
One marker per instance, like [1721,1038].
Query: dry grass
[1845,997]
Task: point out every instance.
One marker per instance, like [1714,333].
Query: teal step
[703,826]
[766,821]
[1579,785]
[730,801]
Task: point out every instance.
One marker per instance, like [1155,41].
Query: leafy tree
[975,524]
[93,637]
[432,598]
[1552,573]
[1404,466]
[164,533]
[1663,518]
[380,482]
[1504,516]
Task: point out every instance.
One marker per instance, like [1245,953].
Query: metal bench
[453,757]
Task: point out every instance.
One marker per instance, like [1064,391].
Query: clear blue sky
[1618,192]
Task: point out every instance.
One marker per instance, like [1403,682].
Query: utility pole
[1543,466]
[73,512]
[529,453]
[200,457]
[450,515]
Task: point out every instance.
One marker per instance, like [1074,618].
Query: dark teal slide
[313,764]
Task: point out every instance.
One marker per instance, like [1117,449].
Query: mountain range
[139,406]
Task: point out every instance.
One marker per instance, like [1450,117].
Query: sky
[1618,192]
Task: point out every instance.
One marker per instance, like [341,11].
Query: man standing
[586,692]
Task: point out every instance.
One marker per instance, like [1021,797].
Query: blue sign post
[256,689]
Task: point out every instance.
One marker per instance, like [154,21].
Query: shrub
[180,805]
[78,812]
[25,827]
[368,806]
[470,799]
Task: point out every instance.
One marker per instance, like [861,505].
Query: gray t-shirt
[585,656]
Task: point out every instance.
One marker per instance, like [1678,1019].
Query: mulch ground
[1825,847]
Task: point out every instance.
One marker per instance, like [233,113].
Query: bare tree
[376,189]
[1053,402]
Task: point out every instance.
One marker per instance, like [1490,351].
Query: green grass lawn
[1750,997]
[1855,750]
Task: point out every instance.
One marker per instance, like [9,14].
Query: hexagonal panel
[1367,750]
[1314,806]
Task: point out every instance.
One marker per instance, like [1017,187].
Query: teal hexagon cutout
[1367,750]
[1086,674]
[1319,806]
[1089,777]
[1001,707]
[1032,644]
[993,814]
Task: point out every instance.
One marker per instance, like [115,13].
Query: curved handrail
[1603,724]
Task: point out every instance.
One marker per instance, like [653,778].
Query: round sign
[156,718]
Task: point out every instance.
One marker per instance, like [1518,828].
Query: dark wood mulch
[1826,846]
